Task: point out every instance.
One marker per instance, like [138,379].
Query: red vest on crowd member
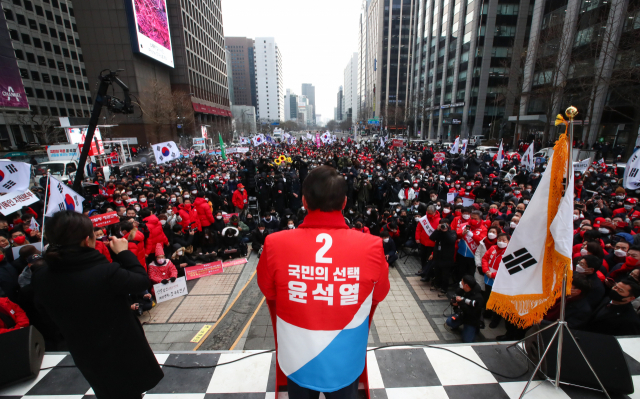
[322,282]
[421,235]
[240,198]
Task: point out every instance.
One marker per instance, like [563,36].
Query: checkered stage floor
[394,373]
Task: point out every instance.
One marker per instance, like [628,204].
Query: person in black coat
[88,299]
[443,253]
[615,314]
[470,303]
[389,247]
[258,235]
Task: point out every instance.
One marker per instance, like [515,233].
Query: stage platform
[394,373]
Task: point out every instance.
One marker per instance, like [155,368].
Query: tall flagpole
[44,214]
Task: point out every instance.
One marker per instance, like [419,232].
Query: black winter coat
[88,299]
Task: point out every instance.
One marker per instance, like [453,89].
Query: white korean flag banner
[309,136]
[325,137]
[631,177]
[454,147]
[166,152]
[500,155]
[258,139]
[463,147]
[424,222]
[582,166]
[244,140]
[527,159]
[62,198]
[529,279]
[14,176]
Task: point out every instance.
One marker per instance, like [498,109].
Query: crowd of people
[204,208]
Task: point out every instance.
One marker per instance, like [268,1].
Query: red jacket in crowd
[102,248]
[156,234]
[421,235]
[13,311]
[239,199]
[204,212]
[164,272]
[189,214]
[136,245]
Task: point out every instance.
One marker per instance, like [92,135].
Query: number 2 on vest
[328,241]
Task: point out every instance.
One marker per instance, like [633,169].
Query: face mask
[433,198]
[438,207]
[461,285]
[474,223]
[526,202]
[620,197]
[368,212]
[19,240]
[137,208]
[597,210]
[291,226]
[446,210]
[584,252]
[160,261]
[502,244]
[173,199]
[604,231]
[631,261]
[492,236]
[385,239]
[218,217]
[615,296]
[620,253]
[466,217]
[118,202]
[576,217]
[627,207]
[179,253]
[186,196]
[517,191]
[163,222]
[580,269]
[261,231]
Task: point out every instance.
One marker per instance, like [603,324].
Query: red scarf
[623,270]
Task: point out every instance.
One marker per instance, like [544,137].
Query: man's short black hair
[469,280]
[580,282]
[324,189]
[633,287]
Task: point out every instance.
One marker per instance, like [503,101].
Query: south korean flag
[62,198]
[14,176]
[165,152]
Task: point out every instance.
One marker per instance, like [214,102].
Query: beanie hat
[159,250]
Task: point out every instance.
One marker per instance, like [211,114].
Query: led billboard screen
[149,26]
[12,93]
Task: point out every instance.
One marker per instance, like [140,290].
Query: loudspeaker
[22,353]
[603,352]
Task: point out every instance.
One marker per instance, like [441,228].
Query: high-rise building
[339,105]
[290,106]
[461,67]
[309,90]
[243,64]
[177,73]
[269,83]
[46,46]
[351,88]
[385,31]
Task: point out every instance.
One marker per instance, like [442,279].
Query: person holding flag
[454,147]
[499,157]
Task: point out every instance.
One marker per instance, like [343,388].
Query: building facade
[269,82]
[243,64]
[47,46]
[351,88]
[230,77]
[464,55]
[309,90]
[340,105]
[290,106]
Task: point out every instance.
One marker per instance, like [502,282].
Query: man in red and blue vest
[322,282]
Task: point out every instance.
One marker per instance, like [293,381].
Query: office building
[464,50]
[230,77]
[309,90]
[243,66]
[178,74]
[351,88]
[290,106]
[269,83]
[582,54]
[385,53]
[339,105]
[51,63]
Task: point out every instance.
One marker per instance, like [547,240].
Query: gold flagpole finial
[571,112]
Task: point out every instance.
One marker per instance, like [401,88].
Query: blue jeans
[468,332]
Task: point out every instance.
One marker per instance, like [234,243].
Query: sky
[316,39]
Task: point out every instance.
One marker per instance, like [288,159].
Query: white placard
[582,165]
[451,197]
[13,202]
[467,201]
[198,141]
[16,250]
[165,292]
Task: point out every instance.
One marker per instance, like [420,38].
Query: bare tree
[44,127]
[183,114]
[157,107]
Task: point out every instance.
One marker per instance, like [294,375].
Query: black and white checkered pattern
[395,373]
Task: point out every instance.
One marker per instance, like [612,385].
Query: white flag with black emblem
[165,152]
[62,198]
[14,176]
[631,176]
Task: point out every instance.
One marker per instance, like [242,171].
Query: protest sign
[234,262]
[451,197]
[207,269]
[165,292]
[14,201]
[439,157]
[467,201]
[105,219]
[227,216]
